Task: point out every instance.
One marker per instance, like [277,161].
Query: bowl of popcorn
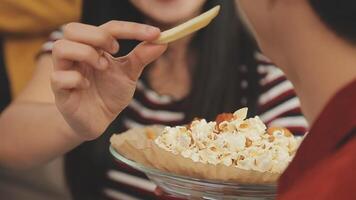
[231,157]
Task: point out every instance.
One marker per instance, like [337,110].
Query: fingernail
[103,63]
[151,29]
[115,47]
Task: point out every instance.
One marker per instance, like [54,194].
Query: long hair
[223,50]
[339,16]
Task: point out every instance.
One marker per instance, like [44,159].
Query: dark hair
[222,50]
[5,92]
[339,16]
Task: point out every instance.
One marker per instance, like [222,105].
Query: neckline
[167,98]
[325,135]
[327,119]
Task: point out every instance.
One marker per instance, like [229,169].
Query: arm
[88,94]
[32,129]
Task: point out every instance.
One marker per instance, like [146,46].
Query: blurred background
[218,69]
[25,25]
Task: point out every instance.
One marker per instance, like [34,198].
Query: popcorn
[241,114]
[232,140]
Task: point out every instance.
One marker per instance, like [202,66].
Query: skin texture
[169,12]
[90,89]
[74,95]
[302,49]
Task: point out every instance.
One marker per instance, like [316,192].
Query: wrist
[72,135]
[88,130]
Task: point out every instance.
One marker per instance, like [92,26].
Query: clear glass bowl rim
[157,172]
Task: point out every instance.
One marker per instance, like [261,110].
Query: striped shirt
[277,106]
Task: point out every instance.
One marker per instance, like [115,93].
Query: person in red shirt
[316,48]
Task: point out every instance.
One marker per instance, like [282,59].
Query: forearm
[32,134]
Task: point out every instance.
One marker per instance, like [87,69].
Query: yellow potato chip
[188,27]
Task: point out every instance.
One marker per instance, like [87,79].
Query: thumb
[141,56]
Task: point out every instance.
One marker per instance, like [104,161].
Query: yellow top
[25,26]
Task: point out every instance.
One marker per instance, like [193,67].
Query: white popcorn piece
[240,142]
[241,114]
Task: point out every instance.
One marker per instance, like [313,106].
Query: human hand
[90,86]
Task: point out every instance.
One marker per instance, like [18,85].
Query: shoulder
[333,178]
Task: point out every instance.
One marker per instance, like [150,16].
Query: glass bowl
[193,188]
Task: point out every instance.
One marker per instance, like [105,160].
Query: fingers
[142,55]
[104,36]
[67,80]
[131,30]
[91,35]
[81,43]
[65,50]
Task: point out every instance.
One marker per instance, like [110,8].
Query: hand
[90,86]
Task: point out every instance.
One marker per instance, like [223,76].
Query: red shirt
[325,165]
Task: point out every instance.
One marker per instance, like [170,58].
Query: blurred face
[256,16]
[169,12]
